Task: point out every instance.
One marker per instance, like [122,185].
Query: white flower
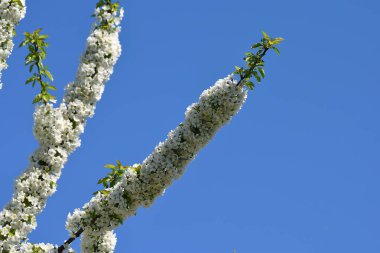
[11,13]
[104,213]
[57,131]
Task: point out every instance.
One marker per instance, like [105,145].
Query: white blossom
[11,12]
[105,212]
[98,242]
[39,247]
[57,131]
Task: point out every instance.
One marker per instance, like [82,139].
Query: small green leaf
[250,85]
[276,41]
[105,192]
[266,36]
[262,72]
[256,76]
[30,79]
[51,87]
[37,99]
[276,50]
[47,72]
[23,43]
[256,45]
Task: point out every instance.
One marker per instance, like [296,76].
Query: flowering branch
[11,13]
[129,187]
[58,131]
[142,184]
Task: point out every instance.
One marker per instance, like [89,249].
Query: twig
[70,240]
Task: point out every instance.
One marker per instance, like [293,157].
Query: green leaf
[30,79]
[256,76]
[237,68]
[102,180]
[277,41]
[109,166]
[43,54]
[47,72]
[37,99]
[105,192]
[250,85]
[53,184]
[51,97]
[51,87]
[266,36]
[262,72]
[36,32]
[256,45]
[276,50]
[22,44]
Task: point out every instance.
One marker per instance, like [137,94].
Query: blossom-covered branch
[11,12]
[142,184]
[58,131]
[129,187]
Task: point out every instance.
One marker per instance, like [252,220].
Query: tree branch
[167,162]
[58,131]
[253,66]
[70,240]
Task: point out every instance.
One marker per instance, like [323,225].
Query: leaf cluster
[37,249]
[254,61]
[107,6]
[18,2]
[36,44]
[116,174]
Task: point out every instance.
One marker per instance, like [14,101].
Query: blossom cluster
[108,15]
[167,162]
[104,242]
[58,133]
[41,248]
[11,12]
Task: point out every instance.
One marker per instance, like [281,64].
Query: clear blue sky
[296,171]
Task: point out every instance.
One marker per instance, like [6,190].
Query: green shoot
[116,174]
[37,45]
[255,62]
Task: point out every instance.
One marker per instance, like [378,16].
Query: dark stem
[38,67]
[43,88]
[70,240]
[253,67]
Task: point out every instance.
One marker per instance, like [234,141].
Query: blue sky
[296,171]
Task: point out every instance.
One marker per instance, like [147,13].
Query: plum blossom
[11,12]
